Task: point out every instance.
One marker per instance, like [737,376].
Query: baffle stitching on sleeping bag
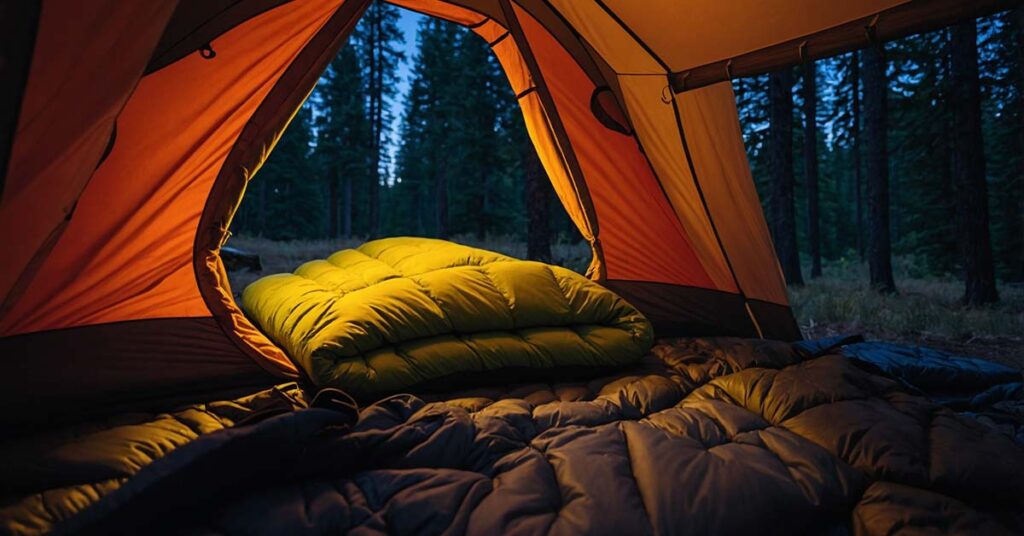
[500,291]
[440,305]
[480,358]
[405,357]
[632,475]
[575,330]
[927,428]
[789,469]
[514,314]
[563,293]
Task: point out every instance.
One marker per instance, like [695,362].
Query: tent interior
[137,397]
[130,131]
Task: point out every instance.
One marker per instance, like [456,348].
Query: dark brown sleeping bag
[707,436]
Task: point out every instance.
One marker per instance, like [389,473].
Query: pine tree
[877,168]
[482,90]
[378,38]
[810,96]
[855,134]
[1002,85]
[919,126]
[343,146]
[285,189]
[969,168]
[538,235]
[782,200]
[424,156]
[839,160]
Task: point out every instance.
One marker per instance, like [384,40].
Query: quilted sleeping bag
[401,312]
[701,436]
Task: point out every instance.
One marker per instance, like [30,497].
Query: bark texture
[810,94]
[538,225]
[876,168]
[783,210]
[969,168]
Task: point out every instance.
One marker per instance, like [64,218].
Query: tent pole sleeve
[599,270]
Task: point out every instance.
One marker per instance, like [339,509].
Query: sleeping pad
[402,312]
[702,436]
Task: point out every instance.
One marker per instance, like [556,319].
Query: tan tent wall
[716,29]
[715,146]
[657,130]
[700,162]
[640,235]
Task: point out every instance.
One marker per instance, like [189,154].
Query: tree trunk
[483,222]
[969,168]
[348,206]
[332,206]
[811,165]
[538,224]
[780,142]
[377,109]
[877,169]
[858,181]
[441,212]
[1018,258]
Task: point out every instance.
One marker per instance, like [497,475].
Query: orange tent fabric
[135,127]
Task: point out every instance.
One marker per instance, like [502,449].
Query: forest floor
[925,311]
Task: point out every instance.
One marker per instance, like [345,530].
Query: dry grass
[925,311]
[278,257]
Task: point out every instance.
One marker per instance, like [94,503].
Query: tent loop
[871,30]
[476,25]
[666,94]
[500,38]
[728,70]
[803,51]
[525,92]
[207,52]
[227,235]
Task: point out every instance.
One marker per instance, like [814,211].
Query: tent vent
[606,109]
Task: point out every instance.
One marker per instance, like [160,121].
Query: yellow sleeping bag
[400,312]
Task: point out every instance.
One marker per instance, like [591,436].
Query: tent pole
[577,179]
[689,162]
[910,18]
